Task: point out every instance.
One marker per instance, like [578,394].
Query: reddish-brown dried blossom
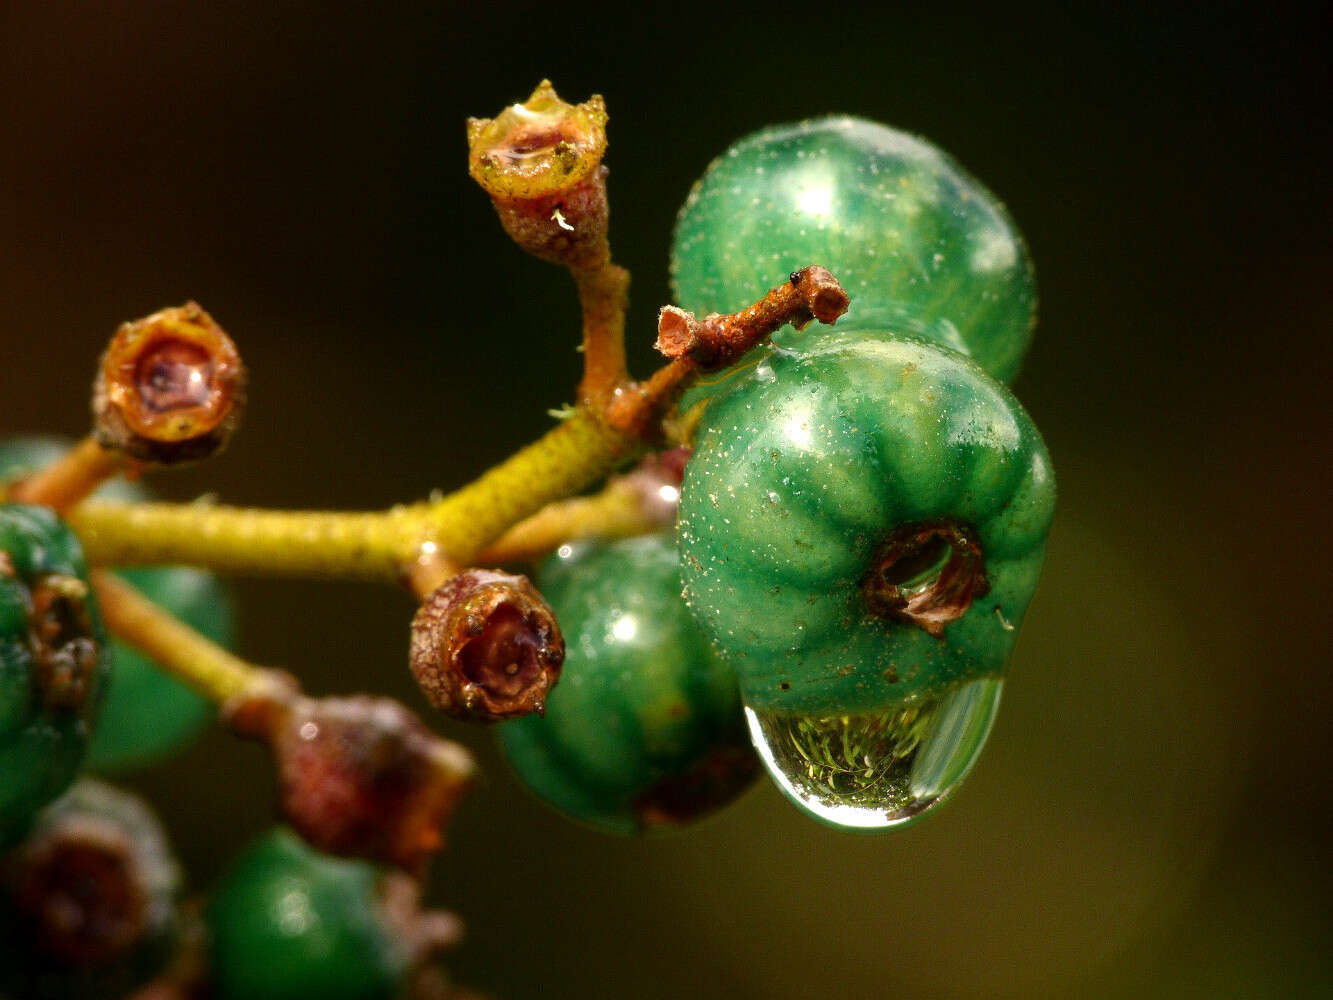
[486,646]
[717,340]
[65,652]
[170,387]
[79,895]
[540,162]
[926,574]
[91,891]
[362,777]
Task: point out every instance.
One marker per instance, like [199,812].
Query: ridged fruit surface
[801,473]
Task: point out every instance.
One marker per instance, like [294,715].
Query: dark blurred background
[1151,817]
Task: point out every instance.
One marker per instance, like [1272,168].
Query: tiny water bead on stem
[639,502]
[862,526]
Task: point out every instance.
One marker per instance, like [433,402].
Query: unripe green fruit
[644,729]
[922,248]
[54,662]
[862,526]
[146,714]
[289,923]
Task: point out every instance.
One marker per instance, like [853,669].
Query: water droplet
[878,770]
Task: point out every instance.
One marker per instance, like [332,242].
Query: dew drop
[879,770]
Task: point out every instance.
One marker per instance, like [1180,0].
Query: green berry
[289,923]
[146,714]
[89,900]
[921,247]
[862,526]
[54,662]
[645,727]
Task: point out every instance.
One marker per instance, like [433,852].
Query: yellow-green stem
[69,478]
[618,511]
[373,546]
[216,673]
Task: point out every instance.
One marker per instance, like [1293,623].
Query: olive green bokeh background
[1151,818]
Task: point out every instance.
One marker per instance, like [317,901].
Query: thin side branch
[69,479]
[390,545]
[216,673]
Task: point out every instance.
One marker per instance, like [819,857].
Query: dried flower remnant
[486,646]
[170,388]
[717,340]
[359,776]
[65,650]
[89,899]
[541,163]
[926,575]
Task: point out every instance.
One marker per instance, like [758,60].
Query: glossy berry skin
[89,901]
[801,473]
[54,662]
[146,714]
[644,729]
[289,923]
[921,246]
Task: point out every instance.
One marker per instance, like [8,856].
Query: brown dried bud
[539,148]
[170,388]
[540,162]
[94,885]
[66,653]
[362,777]
[486,646]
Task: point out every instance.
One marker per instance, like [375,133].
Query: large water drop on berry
[882,769]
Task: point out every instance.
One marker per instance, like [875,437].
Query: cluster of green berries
[90,893]
[862,523]
[861,527]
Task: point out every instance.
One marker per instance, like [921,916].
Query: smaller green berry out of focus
[290,923]
[645,729]
[146,714]
[53,662]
